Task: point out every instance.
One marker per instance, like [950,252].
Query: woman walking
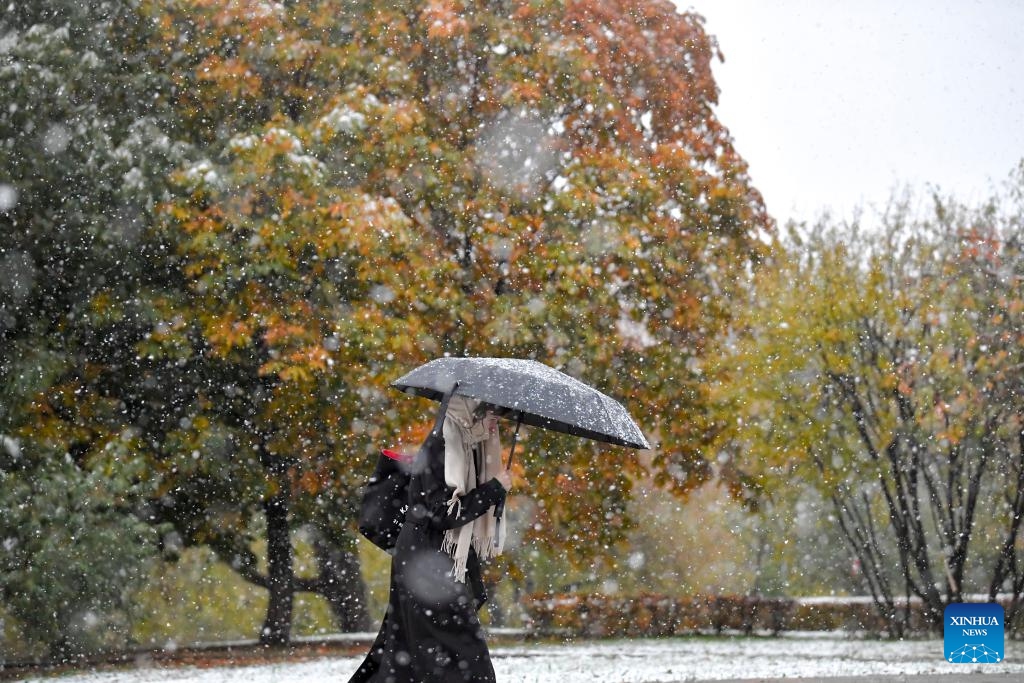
[431,632]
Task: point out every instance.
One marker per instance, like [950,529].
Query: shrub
[651,615]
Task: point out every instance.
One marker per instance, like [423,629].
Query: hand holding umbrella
[505,478]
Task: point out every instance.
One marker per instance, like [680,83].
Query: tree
[284,291]
[885,369]
[375,184]
[82,151]
[594,227]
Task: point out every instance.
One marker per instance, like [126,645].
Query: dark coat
[431,632]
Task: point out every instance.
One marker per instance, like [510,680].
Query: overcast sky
[836,103]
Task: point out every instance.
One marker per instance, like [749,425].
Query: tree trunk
[341,584]
[280,581]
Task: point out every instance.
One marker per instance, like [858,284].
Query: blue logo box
[974,633]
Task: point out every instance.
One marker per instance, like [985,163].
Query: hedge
[652,615]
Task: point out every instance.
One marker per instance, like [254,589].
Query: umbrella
[529,392]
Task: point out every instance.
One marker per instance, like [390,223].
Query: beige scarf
[465,435]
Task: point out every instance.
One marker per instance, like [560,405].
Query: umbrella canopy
[530,392]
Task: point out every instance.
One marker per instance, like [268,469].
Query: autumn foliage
[883,369]
[369,185]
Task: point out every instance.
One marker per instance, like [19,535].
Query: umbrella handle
[515,438]
[499,509]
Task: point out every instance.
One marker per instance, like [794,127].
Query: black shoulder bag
[385,497]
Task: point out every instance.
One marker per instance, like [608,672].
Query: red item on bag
[395,455]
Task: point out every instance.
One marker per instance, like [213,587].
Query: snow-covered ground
[637,661]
